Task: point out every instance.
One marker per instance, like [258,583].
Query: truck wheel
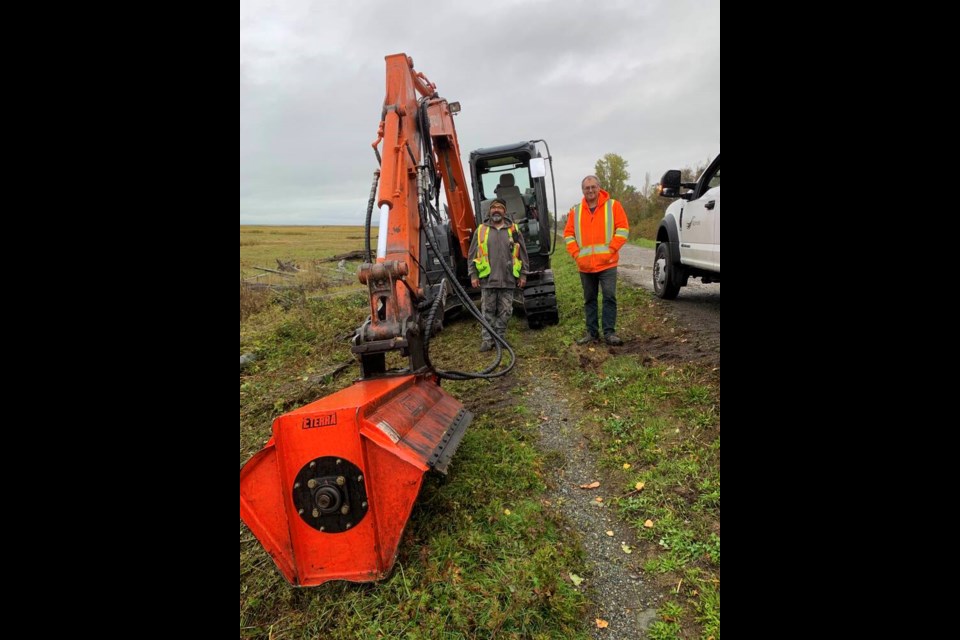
[664,278]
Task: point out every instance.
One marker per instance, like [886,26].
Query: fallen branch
[287,266]
[358,254]
[279,273]
[259,286]
[342,292]
[337,369]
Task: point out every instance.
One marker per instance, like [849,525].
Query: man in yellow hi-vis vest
[498,264]
[596,229]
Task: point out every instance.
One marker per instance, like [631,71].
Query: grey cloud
[636,78]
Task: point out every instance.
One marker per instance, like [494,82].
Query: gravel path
[615,583]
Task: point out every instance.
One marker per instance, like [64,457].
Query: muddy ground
[696,309]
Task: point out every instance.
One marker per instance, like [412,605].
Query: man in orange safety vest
[596,229]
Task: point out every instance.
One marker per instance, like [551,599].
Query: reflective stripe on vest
[483,265]
[607,230]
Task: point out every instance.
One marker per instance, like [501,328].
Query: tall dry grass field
[262,245]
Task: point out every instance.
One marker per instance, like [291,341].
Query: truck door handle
[710,205]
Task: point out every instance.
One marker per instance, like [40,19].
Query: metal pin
[316,514]
[341,480]
[364,505]
[311,483]
[339,461]
[313,464]
[344,509]
[300,511]
[359,478]
[296,485]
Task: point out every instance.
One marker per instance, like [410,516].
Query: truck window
[715,180]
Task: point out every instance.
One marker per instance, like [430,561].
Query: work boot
[486,347]
[612,339]
[587,339]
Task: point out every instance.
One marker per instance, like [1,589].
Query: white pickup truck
[688,240]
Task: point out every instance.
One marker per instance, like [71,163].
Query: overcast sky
[638,78]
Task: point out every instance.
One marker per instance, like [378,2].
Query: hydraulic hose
[366,226]
[468,303]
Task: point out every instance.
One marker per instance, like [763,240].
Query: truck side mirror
[670,184]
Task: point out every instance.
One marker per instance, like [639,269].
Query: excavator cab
[517,173]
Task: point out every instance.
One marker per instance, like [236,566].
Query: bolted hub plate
[330,494]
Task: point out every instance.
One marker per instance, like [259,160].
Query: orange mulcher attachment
[330,494]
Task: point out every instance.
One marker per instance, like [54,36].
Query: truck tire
[664,274]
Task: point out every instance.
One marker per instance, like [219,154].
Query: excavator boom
[331,492]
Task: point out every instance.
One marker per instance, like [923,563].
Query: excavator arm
[447,151]
[419,146]
[332,490]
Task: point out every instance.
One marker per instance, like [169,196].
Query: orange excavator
[331,492]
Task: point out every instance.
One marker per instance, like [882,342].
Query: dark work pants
[497,307]
[605,281]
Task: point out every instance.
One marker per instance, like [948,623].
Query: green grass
[466,567]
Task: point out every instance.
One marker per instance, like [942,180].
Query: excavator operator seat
[508,190]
